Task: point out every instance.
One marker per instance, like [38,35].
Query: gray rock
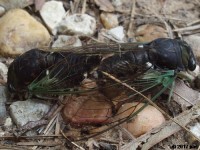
[2,104]
[78,24]
[52,13]
[67,41]
[23,112]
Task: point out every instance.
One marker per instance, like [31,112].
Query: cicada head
[188,57]
[172,54]
[24,69]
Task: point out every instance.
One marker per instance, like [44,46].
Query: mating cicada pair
[142,66]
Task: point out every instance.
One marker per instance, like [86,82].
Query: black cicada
[143,66]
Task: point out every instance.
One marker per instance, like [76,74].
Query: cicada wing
[104,48]
[100,111]
[71,67]
[63,76]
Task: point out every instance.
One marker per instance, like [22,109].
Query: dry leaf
[191,96]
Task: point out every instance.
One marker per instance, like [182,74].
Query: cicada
[144,66]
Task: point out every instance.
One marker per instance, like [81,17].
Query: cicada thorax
[125,66]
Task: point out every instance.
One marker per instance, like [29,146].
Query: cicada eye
[188,58]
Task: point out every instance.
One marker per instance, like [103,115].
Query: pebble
[20,34]
[23,112]
[144,121]
[105,5]
[11,4]
[52,13]
[8,122]
[2,10]
[117,33]
[193,41]
[78,24]
[3,71]
[109,20]
[122,5]
[67,41]
[2,104]
[195,129]
[149,32]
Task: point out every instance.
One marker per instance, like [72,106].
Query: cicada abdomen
[47,70]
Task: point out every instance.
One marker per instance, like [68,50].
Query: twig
[31,137]
[81,148]
[7,147]
[76,4]
[49,126]
[151,102]
[30,125]
[71,7]
[131,20]
[57,129]
[84,7]
[193,22]
[51,143]
[195,27]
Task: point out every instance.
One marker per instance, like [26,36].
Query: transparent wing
[98,111]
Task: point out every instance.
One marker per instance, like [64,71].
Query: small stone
[193,41]
[23,112]
[150,32]
[122,5]
[109,20]
[67,41]
[52,13]
[3,71]
[2,104]
[147,119]
[195,129]
[20,32]
[104,5]
[117,33]
[78,24]
[2,10]
[8,122]
[10,4]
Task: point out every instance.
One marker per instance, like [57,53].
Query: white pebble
[78,24]
[8,122]
[2,10]
[117,33]
[67,41]
[3,71]
[52,13]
